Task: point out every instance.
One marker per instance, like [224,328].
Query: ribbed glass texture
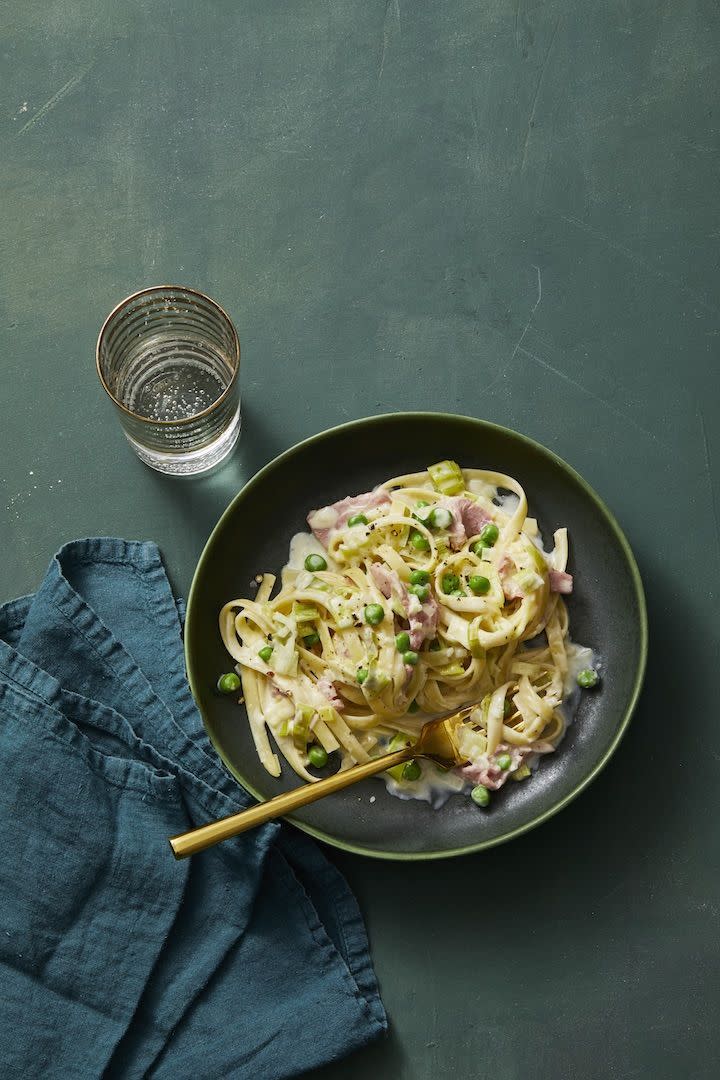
[169,358]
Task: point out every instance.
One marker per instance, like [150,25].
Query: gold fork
[437,741]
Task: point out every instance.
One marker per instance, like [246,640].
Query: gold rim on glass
[169,288]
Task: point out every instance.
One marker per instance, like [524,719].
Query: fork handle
[190,843]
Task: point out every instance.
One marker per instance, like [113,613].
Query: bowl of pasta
[399,567]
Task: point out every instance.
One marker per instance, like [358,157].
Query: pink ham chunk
[386,580]
[456,532]
[423,623]
[560,582]
[390,586]
[512,590]
[359,504]
[490,774]
[506,569]
[474,518]
[323,521]
[468,519]
[327,688]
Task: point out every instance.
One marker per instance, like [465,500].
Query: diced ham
[456,532]
[384,579]
[327,688]
[474,518]
[390,586]
[423,618]
[561,582]
[358,504]
[489,775]
[323,521]
[511,589]
[488,772]
[506,569]
[423,623]
[468,519]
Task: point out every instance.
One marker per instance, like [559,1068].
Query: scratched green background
[504,209]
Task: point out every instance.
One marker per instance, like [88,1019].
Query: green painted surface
[503,209]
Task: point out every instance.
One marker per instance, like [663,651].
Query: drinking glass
[169,357]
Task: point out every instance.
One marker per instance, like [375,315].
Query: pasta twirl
[429,592]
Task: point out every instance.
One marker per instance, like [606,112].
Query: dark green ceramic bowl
[607,612]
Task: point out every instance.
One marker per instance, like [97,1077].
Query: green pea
[422,502]
[504,762]
[411,771]
[228,684]
[317,756]
[449,582]
[362,675]
[402,641]
[314,563]
[508,708]
[265,653]
[421,591]
[587,678]
[413,707]
[419,577]
[489,535]
[479,584]
[310,639]
[458,592]
[478,548]
[440,518]
[410,657]
[418,541]
[357,519]
[374,614]
[480,795]
[435,645]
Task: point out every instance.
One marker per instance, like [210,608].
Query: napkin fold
[249,960]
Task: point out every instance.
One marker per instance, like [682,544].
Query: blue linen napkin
[249,960]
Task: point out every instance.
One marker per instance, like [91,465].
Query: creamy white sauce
[508,503]
[324,518]
[302,545]
[481,487]
[579,657]
[433,786]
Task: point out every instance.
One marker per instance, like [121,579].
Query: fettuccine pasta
[426,594]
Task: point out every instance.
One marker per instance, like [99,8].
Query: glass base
[196,461]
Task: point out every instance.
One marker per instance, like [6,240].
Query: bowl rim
[481,845]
